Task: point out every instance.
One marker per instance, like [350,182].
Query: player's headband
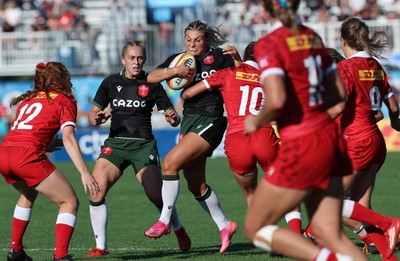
[290,4]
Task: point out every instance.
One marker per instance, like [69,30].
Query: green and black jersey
[132,102]
[206,103]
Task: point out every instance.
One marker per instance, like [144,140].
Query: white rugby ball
[178,83]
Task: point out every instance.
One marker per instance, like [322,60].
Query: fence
[98,53]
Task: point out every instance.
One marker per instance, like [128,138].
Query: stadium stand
[86,34]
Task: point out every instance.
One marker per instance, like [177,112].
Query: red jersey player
[243,95]
[41,113]
[367,88]
[301,84]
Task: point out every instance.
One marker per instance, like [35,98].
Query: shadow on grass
[235,250]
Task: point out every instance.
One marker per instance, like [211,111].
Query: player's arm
[161,74]
[394,114]
[274,85]
[194,90]
[98,116]
[74,152]
[334,94]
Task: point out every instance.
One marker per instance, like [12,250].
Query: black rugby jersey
[206,103]
[132,102]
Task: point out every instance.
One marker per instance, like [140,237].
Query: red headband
[41,65]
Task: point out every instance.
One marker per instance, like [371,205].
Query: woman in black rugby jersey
[202,129]
[131,142]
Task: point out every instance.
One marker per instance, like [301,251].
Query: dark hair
[284,10]
[356,34]
[212,35]
[53,76]
[249,52]
[133,43]
[335,55]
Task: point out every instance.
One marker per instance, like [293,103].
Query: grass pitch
[130,214]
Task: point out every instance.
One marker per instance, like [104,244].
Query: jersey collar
[252,64]
[361,54]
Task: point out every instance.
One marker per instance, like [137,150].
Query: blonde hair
[356,34]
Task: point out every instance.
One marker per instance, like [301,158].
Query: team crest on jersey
[143,90]
[106,150]
[209,59]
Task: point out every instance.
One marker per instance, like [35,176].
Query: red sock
[366,215]
[375,235]
[63,236]
[18,230]
[308,230]
[326,255]
[295,225]
[332,257]
[293,219]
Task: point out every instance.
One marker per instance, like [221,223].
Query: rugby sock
[64,228]
[356,211]
[210,203]
[20,222]
[293,219]
[169,193]
[99,217]
[325,255]
[175,223]
[309,231]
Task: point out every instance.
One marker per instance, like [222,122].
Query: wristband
[165,72]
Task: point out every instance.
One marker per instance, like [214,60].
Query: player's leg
[150,178]
[57,188]
[20,221]
[247,183]
[209,201]
[243,162]
[106,174]
[189,149]
[324,208]
[270,204]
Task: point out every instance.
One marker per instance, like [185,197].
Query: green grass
[130,214]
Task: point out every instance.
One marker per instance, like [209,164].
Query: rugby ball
[178,83]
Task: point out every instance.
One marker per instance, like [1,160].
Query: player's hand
[172,117]
[185,71]
[250,124]
[378,116]
[89,183]
[55,144]
[102,116]
[231,49]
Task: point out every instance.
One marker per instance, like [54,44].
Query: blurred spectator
[39,24]
[323,15]
[134,32]
[224,23]
[12,17]
[165,38]
[244,32]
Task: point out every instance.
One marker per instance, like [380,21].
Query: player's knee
[169,166]
[263,237]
